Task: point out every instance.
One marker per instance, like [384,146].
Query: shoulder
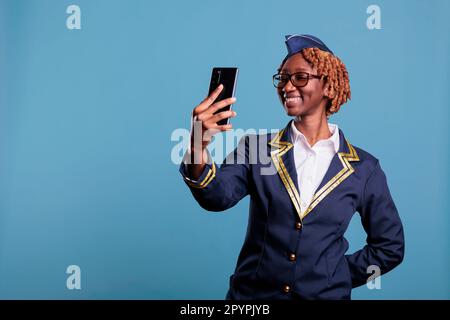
[365,155]
[367,161]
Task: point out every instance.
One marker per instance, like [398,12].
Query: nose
[289,87]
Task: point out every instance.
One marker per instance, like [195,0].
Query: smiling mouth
[293,99]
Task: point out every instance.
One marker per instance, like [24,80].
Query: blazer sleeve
[218,189]
[385,238]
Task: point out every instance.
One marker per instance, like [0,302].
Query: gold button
[292,257]
[298,225]
[286,288]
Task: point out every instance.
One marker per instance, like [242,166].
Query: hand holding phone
[208,118]
[208,114]
[215,111]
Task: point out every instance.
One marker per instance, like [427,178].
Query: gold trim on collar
[285,146]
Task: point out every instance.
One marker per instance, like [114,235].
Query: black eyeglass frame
[308,76]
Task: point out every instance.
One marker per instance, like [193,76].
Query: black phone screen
[227,77]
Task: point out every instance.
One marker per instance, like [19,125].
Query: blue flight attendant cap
[296,43]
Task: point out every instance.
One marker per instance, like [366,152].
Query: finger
[208,113]
[220,104]
[222,115]
[225,127]
[209,100]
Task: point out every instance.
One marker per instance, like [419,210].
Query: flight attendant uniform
[295,245]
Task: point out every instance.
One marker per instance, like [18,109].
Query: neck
[313,128]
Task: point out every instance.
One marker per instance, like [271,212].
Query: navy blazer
[285,256]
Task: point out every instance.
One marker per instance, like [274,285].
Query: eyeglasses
[298,79]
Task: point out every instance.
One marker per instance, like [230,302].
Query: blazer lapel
[339,170]
[282,156]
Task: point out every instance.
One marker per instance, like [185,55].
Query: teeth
[291,99]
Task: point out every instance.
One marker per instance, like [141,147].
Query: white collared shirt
[312,162]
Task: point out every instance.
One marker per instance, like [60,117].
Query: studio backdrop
[95,104]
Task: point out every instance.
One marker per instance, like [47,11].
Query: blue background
[86,118]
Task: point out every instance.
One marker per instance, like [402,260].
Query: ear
[328,91]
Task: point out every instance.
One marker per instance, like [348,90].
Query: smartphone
[228,78]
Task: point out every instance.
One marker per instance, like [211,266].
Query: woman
[295,246]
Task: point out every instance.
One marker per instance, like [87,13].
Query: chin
[294,112]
